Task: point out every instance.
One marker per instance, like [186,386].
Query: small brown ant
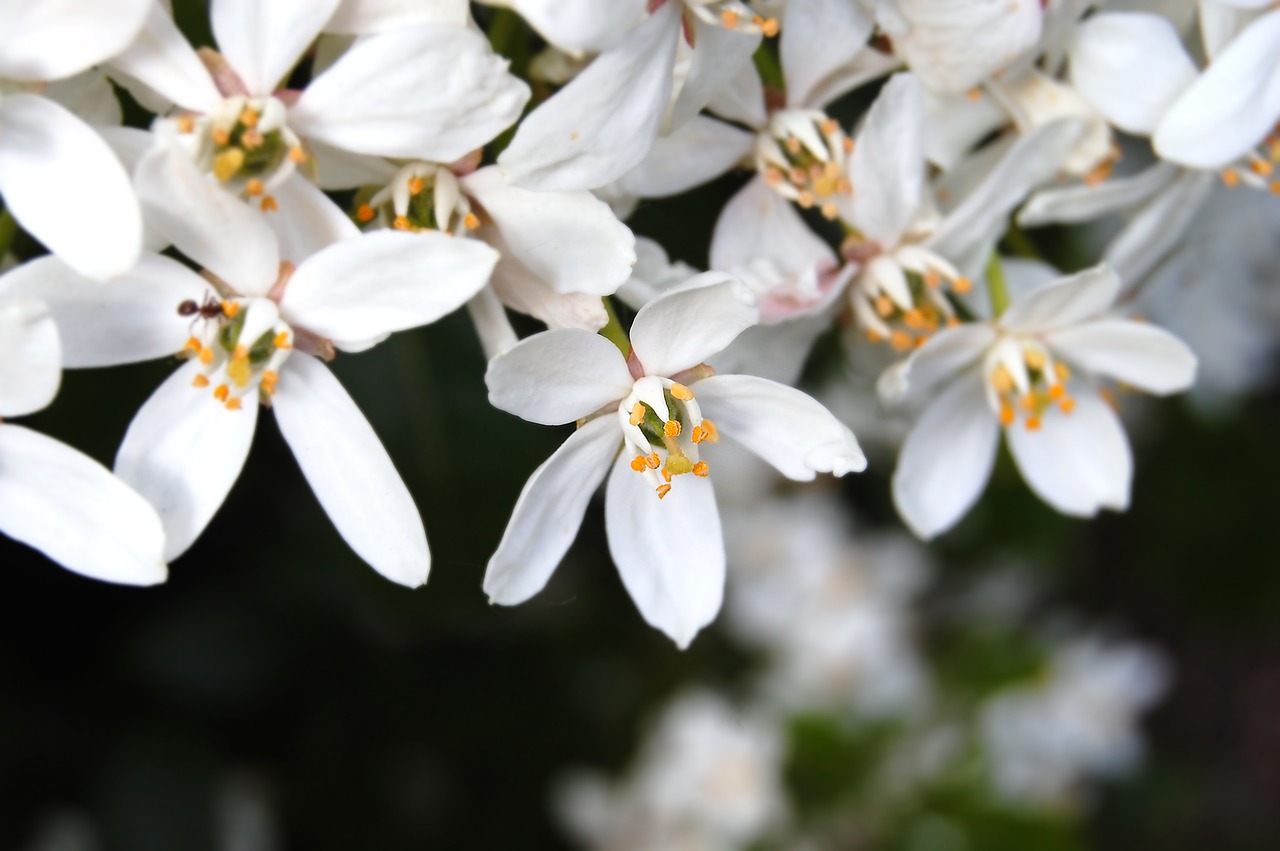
[211,309]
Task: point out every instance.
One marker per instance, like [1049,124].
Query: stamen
[663,490]
[638,464]
[900,340]
[416,186]
[1060,369]
[186,124]
[1033,423]
[653,461]
[281,341]
[233,404]
[962,285]
[637,414]
[1066,404]
[768,26]
[270,380]
[221,392]
[1056,392]
[709,429]
[227,163]
[230,308]
[1034,358]
[206,355]
[471,221]
[254,186]
[401,223]
[364,214]
[248,117]
[701,469]
[269,204]
[671,428]
[220,136]
[297,155]
[1001,380]
[201,380]
[1007,415]
[1231,178]
[730,19]
[191,345]
[684,394]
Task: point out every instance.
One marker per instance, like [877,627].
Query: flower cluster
[328,173]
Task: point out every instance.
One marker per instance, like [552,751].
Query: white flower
[53,498]
[251,340]
[645,421]
[1033,372]
[54,167]
[708,778]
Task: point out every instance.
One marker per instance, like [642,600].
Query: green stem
[504,27]
[769,67]
[996,286]
[612,331]
[8,230]
[1019,244]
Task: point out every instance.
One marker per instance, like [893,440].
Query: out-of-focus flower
[644,420]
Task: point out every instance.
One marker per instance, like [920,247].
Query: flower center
[241,344]
[902,297]
[422,196]
[1024,381]
[663,423]
[732,15]
[1257,168]
[245,144]
[802,155]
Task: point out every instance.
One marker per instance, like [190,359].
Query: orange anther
[974,94]
[233,404]
[1033,423]
[793,146]
[470,221]
[709,430]
[701,469]
[772,177]
[671,428]
[364,214]
[400,223]
[637,414]
[206,355]
[221,392]
[847,144]
[1060,369]
[884,306]
[192,344]
[248,117]
[830,211]
[730,19]
[270,380]
[663,490]
[684,394]
[416,185]
[186,124]
[962,285]
[805,199]
[1028,402]
[830,126]
[1034,358]
[281,341]
[653,460]
[297,155]
[1231,178]
[873,337]
[230,308]
[1067,404]
[1057,391]
[932,279]
[768,26]
[1262,167]
[240,353]
[251,140]
[254,187]
[901,340]
[269,204]
[1007,414]
[914,319]
[698,434]
[201,380]
[1275,187]
[220,136]
[638,464]
[1001,380]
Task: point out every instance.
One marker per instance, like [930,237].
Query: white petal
[602,123]
[669,551]
[1071,300]
[52,39]
[1078,463]
[89,97]
[163,61]
[699,151]
[819,39]
[549,512]
[383,282]
[887,168]
[1221,22]
[1143,50]
[339,169]
[350,472]
[1138,354]
[70,507]
[263,41]
[784,426]
[571,240]
[1157,229]
[431,92]
[182,453]
[1083,203]
[30,362]
[955,47]
[946,460]
[742,99]
[524,292]
[1233,105]
[306,220]
[947,353]
[578,26]
[758,223]
[558,376]
[360,17]
[208,224]
[719,54]
[48,157]
[957,122]
[682,329]
[129,320]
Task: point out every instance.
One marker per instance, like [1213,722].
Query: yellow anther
[251,140]
[254,186]
[701,469]
[805,199]
[830,126]
[962,285]
[847,144]
[297,155]
[364,214]
[269,204]
[1057,391]
[921,340]
[248,117]
[1060,369]
[772,177]
[830,211]
[1034,358]
[201,380]
[873,336]
[974,94]
[227,163]
[416,185]
[1231,178]
[793,146]
[663,490]
[1262,167]
[932,280]
[1099,173]
[240,353]
[1066,404]
[914,319]
[1001,380]
[709,431]
[653,461]
[1275,187]
[220,136]
[186,124]
[281,341]
[768,26]
[637,414]
[1007,415]
[638,464]
[206,355]
[666,474]
[230,308]
[901,340]
[192,345]
[1029,402]
[730,19]
[221,392]
[684,394]
[233,404]
[698,434]
[270,380]
[471,221]
[400,223]
[884,306]
[671,428]
[1033,423]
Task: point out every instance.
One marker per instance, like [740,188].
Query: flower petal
[48,157]
[350,472]
[946,459]
[954,48]
[549,512]
[679,330]
[182,453]
[698,151]
[70,507]
[129,320]
[1138,354]
[1067,302]
[947,353]
[719,54]
[784,426]
[887,168]
[263,41]
[571,240]
[524,292]
[53,39]
[579,26]
[1233,105]
[361,17]
[308,220]
[1078,463]
[30,361]
[819,40]
[89,97]
[1156,230]
[383,282]
[1084,202]
[164,62]
[558,376]
[1143,50]
[208,224]
[431,92]
[669,551]
[759,224]
[602,123]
